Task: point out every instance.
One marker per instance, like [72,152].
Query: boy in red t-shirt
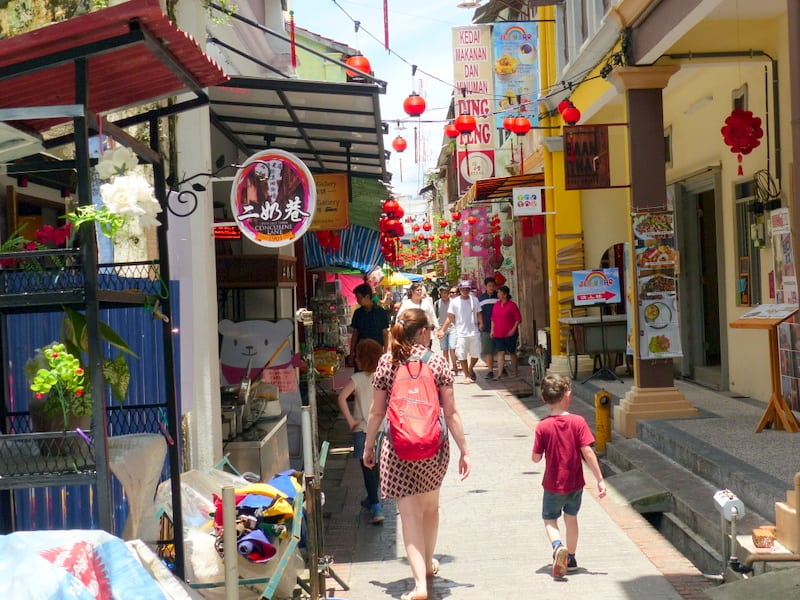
[563,438]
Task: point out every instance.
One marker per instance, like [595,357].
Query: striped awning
[360,249]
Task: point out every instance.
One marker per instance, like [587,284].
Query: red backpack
[414,420]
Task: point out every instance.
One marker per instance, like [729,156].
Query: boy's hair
[363,289]
[368,353]
[554,386]
[488,280]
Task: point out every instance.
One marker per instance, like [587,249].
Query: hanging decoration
[329,241]
[569,112]
[386,24]
[451,131]
[414,105]
[743,133]
[360,62]
[292,39]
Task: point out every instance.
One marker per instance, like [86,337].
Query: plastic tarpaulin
[360,249]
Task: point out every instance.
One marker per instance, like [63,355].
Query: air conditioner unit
[17,144]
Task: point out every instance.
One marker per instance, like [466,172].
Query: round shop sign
[273,198]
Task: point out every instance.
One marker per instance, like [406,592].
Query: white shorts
[468,345]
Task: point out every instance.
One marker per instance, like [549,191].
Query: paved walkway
[491,540]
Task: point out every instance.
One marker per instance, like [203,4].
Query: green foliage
[58,377]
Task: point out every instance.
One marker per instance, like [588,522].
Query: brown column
[793,21]
[654,394]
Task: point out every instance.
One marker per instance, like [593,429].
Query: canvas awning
[497,188]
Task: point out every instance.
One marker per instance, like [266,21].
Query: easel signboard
[600,286]
[778,414]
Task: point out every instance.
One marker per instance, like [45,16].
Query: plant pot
[55,445]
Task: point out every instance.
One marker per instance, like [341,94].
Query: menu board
[789,359]
[656,264]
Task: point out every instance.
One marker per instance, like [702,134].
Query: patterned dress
[401,478]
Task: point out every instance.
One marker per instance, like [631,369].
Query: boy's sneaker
[572,564]
[490,375]
[560,562]
[377,515]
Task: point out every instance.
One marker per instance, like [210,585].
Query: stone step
[758,490]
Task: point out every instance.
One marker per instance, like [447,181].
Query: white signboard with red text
[474,83]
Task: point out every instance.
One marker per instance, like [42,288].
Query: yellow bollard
[602,424]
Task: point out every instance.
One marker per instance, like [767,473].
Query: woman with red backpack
[415,483]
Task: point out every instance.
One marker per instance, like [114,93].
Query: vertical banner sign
[516,71]
[273,198]
[333,208]
[527,201]
[472,69]
[656,264]
[586,161]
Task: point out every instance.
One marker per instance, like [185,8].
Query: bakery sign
[273,198]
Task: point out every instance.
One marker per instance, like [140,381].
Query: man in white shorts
[465,312]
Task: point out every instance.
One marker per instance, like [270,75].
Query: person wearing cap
[448,342]
[504,329]
[465,313]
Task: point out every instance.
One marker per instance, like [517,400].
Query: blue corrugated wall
[73,507]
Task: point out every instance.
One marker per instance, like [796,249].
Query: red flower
[79,371]
[79,392]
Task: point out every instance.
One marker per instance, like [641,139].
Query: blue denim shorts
[448,342]
[359,440]
[553,504]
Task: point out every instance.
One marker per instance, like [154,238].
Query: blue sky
[420,33]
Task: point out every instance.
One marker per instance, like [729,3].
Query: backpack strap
[425,358]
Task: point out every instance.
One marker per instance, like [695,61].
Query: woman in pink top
[505,330]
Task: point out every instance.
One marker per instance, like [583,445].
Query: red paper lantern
[459,233]
[415,228]
[472,219]
[564,105]
[451,131]
[443,223]
[414,105]
[571,115]
[465,124]
[742,132]
[360,62]
[399,213]
[426,226]
[399,144]
[456,216]
[521,126]
[508,123]
[390,206]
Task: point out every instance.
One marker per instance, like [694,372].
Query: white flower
[116,162]
[131,197]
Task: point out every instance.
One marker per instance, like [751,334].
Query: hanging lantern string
[551,91]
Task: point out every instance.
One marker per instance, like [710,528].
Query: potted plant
[61,381]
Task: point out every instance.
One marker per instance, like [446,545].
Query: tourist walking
[417,299]
[563,439]
[369,322]
[368,352]
[506,319]
[415,483]
[465,313]
[487,301]
[448,341]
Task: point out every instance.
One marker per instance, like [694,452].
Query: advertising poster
[789,359]
[656,274]
[474,83]
[333,206]
[273,198]
[586,160]
[600,286]
[487,244]
[516,71]
[784,269]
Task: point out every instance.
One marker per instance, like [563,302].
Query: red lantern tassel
[521,160]
[386,24]
[291,39]
[741,171]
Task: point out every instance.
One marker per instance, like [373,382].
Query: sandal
[434,568]
[467,380]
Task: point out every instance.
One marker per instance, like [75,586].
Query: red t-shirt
[560,438]
[504,316]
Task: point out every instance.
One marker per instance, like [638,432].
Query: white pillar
[192,264]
